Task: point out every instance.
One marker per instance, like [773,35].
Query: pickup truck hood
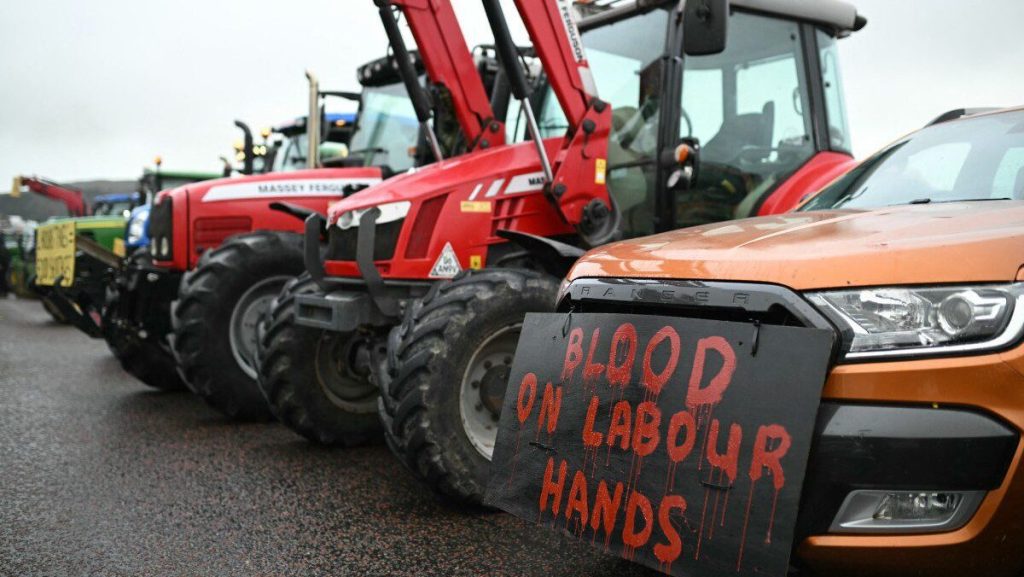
[912,244]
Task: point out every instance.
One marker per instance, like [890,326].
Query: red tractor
[223,249]
[425,279]
[188,222]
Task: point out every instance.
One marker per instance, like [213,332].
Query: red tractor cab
[662,122]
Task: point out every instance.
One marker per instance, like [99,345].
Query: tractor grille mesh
[342,244]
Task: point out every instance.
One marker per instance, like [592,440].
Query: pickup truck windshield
[980,158]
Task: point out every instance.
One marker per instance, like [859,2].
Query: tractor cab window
[625,59]
[749,107]
[835,106]
[118,208]
[387,130]
[292,153]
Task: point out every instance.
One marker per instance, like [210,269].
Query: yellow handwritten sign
[55,254]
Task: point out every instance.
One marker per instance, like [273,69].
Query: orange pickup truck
[912,263]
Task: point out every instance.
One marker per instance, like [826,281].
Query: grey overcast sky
[97,89]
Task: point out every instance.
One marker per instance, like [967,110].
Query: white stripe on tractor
[493,190]
[476,191]
[285,188]
[529,182]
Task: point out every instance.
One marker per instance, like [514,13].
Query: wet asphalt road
[100,475]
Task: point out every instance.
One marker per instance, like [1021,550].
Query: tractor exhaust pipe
[247,162]
[420,99]
[508,57]
[313,122]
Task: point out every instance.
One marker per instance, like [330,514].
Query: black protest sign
[677,443]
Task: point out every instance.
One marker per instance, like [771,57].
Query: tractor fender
[556,258]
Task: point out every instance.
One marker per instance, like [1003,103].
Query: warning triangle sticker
[447,265]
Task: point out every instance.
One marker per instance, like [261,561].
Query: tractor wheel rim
[491,358]
[245,319]
[335,372]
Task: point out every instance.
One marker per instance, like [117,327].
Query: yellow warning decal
[476,206]
[600,168]
[119,249]
[476,262]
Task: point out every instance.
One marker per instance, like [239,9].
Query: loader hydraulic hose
[508,52]
[420,100]
[508,57]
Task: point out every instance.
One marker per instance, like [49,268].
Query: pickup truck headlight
[913,321]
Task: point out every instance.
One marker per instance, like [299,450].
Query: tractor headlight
[910,321]
[137,228]
[389,212]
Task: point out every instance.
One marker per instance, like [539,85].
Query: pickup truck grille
[726,301]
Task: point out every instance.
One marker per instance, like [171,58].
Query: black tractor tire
[239,277]
[147,360]
[54,312]
[307,377]
[429,357]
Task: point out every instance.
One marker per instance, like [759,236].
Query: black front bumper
[345,304]
[82,303]
[145,294]
[912,448]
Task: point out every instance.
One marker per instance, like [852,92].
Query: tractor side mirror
[705,26]
[686,159]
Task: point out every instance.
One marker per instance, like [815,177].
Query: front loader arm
[578,172]
[448,62]
[71,198]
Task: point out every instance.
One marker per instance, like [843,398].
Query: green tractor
[74,254]
[17,262]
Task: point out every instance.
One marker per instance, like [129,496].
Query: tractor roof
[298,125]
[839,16]
[384,71]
